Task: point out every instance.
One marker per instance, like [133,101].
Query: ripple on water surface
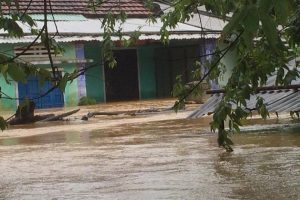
[152,161]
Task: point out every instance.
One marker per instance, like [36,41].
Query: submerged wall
[94,76]
[176,59]
[158,67]
[9,89]
[146,64]
[71,91]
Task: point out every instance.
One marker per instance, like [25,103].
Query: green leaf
[282,10]
[221,137]
[27,19]
[12,27]
[266,5]
[178,105]
[263,112]
[16,73]
[240,113]
[235,20]
[251,21]
[236,127]
[248,39]
[3,68]
[43,75]
[269,29]
[3,123]
[280,75]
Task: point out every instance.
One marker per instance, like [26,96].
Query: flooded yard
[142,159]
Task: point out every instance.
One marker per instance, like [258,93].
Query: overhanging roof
[58,17]
[90,29]
[28,39]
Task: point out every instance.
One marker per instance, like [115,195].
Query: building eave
[91,29]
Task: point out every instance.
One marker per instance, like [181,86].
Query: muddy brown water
[175,159]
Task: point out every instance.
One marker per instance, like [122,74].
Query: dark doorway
[121,82]
[171,62]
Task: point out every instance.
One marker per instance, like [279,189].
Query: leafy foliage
[182,90]
[268,30]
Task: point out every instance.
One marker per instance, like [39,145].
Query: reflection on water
[161,160]
[263,166]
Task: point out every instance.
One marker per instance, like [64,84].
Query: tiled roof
[133,8]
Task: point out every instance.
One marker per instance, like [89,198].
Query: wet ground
[138,158]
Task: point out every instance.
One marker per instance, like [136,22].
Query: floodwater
[175,159]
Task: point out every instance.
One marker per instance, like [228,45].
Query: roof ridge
[133,8]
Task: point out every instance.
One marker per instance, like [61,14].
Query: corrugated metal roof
[202,19]
[28,39]
[275,101]
[93,26]
[207,22]
[91,30]
[284,100]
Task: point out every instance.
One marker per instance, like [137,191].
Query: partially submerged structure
[146,70]
[278,99]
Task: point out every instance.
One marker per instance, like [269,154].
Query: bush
[86,101]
